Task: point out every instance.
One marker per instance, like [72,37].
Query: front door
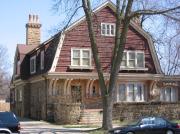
[76,94]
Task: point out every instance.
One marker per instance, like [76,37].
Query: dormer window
[33,64]
[133,60]
[108,29]
[42,60]
[80,58]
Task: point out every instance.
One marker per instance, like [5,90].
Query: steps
[91,116]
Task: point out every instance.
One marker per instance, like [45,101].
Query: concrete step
[91,116]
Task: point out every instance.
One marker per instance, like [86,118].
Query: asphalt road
[41,127]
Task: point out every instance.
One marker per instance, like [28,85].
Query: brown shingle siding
[78,38]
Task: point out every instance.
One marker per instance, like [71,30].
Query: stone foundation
[67,113]
[134,111]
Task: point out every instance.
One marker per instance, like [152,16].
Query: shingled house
[57,79]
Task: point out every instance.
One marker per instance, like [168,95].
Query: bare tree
[4,74]
[126,10]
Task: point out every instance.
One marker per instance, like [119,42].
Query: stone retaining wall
[4,106]
[67,113]
[134,111]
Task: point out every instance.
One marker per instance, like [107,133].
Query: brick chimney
[33,36]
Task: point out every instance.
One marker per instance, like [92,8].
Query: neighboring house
[57,80]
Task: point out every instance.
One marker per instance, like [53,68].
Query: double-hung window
[131,92]
[80,57]
[133,59]
[108,29]
[33,64]
[42,60]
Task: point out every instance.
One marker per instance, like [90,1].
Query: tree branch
[152,12]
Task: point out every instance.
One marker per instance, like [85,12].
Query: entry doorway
[76,94]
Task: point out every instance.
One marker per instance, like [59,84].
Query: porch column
[65,86]
[54,90]
[87,87]
[50,86]
[90,87]
[68,91]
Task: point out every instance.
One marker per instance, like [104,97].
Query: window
[133,59]
[169,94]
[81,57]
[20,95]
[108,29]
[42,60]
[33,64]
[131,92]
[122,92]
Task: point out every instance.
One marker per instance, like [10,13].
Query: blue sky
[14,16]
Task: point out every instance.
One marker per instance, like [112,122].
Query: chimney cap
[33,18]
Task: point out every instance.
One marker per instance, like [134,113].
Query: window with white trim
[81,57]
[131,92]
[42,60]
[108,29]
[33,64]
[133,59]
[169,94]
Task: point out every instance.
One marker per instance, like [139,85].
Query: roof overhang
[90,75]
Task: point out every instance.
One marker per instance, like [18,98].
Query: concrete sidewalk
[39,127]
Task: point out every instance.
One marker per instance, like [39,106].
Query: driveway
[41,127]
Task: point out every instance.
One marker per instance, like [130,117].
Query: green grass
[124,123]
[176,121]
[98,132]
[81,126]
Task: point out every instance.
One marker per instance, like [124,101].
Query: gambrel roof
[133,24]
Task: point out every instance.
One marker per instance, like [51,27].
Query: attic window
[33,64]
[108,29]
[42,60]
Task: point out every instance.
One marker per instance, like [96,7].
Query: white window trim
[127,89]
[34,71]
[110,24]
[81,66]
[164,95]
[42,60]
[127,61]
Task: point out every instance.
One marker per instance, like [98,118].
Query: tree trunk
[107,112]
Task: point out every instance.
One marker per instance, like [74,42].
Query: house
[57,79]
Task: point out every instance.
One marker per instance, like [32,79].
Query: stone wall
[4,106]
[133,111]
[67,113]
[38,100]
